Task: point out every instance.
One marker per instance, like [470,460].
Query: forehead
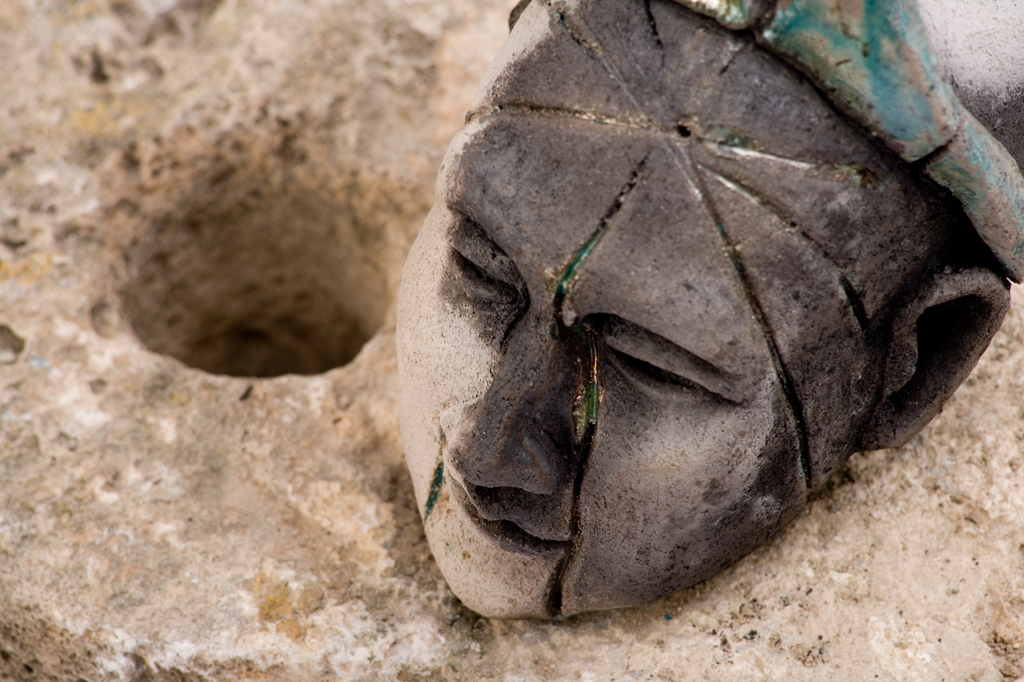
[657,67]
[543,187]
[656,64]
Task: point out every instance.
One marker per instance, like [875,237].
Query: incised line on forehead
[790,226]
[687,167]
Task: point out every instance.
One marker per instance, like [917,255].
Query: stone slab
[160,522]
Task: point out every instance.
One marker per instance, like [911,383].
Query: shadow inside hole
[246,282]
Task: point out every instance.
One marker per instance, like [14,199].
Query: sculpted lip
[547,517]
[504,533]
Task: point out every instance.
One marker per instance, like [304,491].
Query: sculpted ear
[937,338]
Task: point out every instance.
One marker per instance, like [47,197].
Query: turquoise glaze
[874,63]
[873,60]
[985,178]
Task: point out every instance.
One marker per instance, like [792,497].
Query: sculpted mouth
[504,533]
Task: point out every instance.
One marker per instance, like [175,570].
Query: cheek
[442,360]
[682,446]
[676,489]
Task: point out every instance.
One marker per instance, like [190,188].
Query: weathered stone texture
[161,522]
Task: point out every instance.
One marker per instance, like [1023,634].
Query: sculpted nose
[519,434]
[510,449]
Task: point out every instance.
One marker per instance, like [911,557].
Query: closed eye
[491,263]
[482,286]
[486,284]
[648,371]
[656,360]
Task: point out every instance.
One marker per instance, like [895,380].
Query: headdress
[873,60]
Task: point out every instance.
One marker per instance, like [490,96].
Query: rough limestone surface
[197,191]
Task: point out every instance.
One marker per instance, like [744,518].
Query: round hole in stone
[253,275]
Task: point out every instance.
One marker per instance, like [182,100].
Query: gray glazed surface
[664,292]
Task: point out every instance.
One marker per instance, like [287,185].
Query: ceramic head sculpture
[684,260]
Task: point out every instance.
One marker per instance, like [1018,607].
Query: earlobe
[937,338]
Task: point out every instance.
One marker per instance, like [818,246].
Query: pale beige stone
[154,525]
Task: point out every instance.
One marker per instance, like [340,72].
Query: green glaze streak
[435,490]
[582,337]
[588,400]
[565,281]
[568,277]
[727,136]
[858,176]
[873,58]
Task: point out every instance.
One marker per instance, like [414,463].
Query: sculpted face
[649,310]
